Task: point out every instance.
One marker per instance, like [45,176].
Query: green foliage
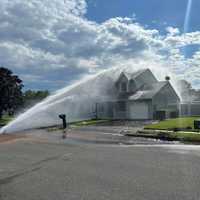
[30,94]
[5,120]
[31,97]
[10,91]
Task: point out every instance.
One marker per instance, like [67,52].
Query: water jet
[78,100]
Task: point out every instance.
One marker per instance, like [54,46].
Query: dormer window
[124,87]
[122,83]
[131,86]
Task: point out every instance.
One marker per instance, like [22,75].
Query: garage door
[139,110]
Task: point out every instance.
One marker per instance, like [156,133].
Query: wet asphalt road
[45,167]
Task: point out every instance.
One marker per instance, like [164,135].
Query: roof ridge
[135,73]
[166,82]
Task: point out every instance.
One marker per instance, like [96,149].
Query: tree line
[12,97]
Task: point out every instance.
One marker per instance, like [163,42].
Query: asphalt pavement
[45,167]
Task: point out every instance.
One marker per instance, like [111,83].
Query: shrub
[189,128]
[176,129]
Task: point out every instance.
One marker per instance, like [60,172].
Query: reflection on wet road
[96,135]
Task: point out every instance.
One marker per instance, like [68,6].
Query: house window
[123,87]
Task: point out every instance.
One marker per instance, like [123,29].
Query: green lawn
[182,123]
[169,135]
[5,120]
[187,137]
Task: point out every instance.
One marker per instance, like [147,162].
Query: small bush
[189,128]
[176,129]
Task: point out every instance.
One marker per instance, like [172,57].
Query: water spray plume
[76,101]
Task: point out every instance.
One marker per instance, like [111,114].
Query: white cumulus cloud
[53,40]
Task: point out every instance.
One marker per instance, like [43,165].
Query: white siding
[165,98]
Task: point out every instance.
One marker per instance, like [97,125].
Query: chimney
[167,78]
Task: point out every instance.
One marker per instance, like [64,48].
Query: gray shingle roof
[149,91]
[134,74]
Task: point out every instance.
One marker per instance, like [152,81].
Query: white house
[140,96]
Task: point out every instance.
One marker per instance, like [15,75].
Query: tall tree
[10,91]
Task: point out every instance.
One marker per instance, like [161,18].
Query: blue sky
[66,40]
[153,13]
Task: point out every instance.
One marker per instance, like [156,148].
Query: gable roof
[149,91]
[134,74]
[131,76]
